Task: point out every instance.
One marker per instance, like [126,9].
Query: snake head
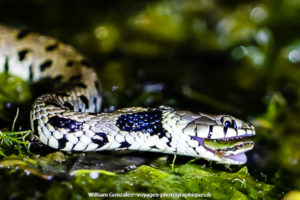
[228,139]
[221,138]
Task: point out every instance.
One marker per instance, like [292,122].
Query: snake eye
[227,123]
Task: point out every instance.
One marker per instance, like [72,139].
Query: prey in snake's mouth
[229,149]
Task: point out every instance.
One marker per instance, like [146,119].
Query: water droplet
[259,14]
[294,56]
[101,32]
[94,175]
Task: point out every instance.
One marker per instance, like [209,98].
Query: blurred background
[210,56]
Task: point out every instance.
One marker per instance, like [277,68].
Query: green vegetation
[14,141]
[183,180]
[12,90]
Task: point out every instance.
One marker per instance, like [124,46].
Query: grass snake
[69,118]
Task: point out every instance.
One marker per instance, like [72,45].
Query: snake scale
[69,119]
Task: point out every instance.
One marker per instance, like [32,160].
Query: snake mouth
[229,150]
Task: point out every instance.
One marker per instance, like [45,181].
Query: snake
[69,118]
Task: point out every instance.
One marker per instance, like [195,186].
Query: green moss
[12,90]
[185,180]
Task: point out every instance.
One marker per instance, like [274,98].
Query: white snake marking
[68,119]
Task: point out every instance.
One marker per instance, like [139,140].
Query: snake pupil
[227,124]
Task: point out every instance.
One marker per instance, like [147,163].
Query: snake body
[69,118]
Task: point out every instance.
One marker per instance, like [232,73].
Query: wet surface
[110,161]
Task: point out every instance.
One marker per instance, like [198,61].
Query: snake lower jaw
[237,159]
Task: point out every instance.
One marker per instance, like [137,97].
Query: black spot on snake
[60,122]
[22,54]
[96,106]
[35,126]
[22,33]
[51,102]
[61,94]
[70,63]
[222,119]
[58,78]
[169,141]
[225,130]
[146,122]
[30,73]
[46,65]
[124,144]
[97,85]
[69,106]
[75,77]
[86,63]
[102,141]
[82,85]
[51,47]
[154,147]
[196,131]
[62,142]
[210,131]
[195,150]
[85,101]
[6,64]
[234,126]
[94,113]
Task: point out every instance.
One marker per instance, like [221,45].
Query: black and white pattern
[68,118]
